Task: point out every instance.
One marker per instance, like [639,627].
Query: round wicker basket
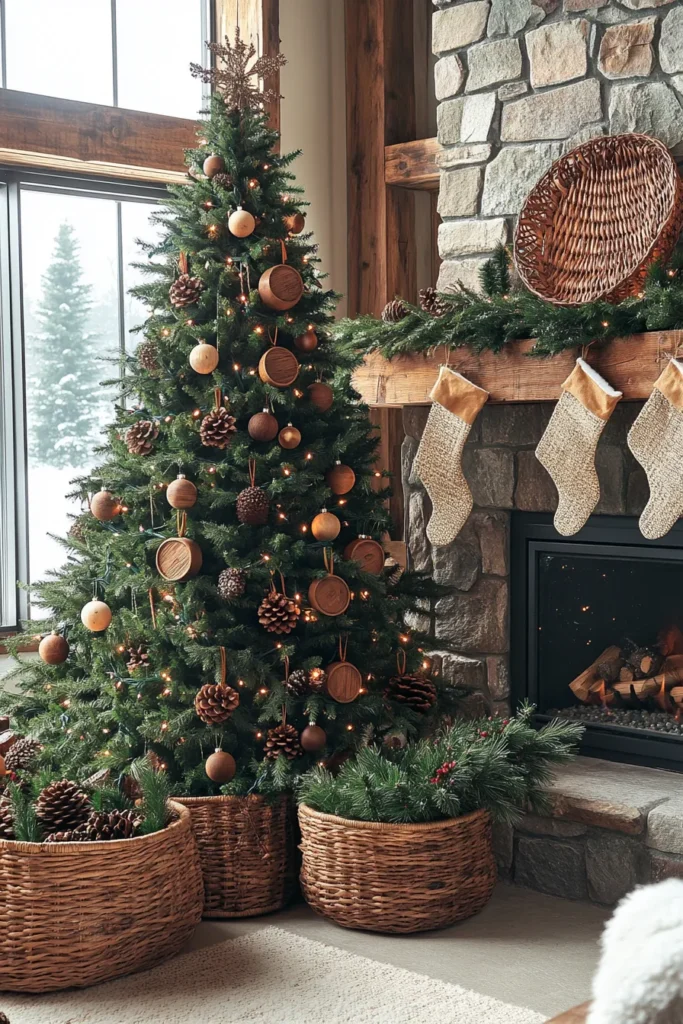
[75,914]
[396,878]
[247,852]
[598,218]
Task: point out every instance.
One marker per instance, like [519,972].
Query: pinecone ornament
[76,530]
[22,755]
[394,311]
[148,355]
[283,739]
[185,291]
[217,428]
[215,703]
[252,506]
[418,693]
[431,303]
[141,436]
[6,819]
[393,571]
[137,658]
[231,584]
[222,179]
[297,683]
[116,824]
[62,807]
[278,613]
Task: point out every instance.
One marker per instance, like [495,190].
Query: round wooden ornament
[325,526]
[241,223]
[263,426]
[321,395]
[213,164]
[53,649]
[279,367]
[96,616]
[295,223]
[289,437]
[220,766]
[204,358]
[329,595]
[344,682]
[280,287]
[340,479]
[313,738]
[367,552]
[182,493]
[104,506]
[178,559]
[307,341]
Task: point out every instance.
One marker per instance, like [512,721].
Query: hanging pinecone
[393,571]
[141,436]
[62,806]
[283,739]
[278,613]
[137,658]
[222,179]
[217,428]
[116,824]
[432,303]
[252,506]
[297,683]
[147,354]
[418,693]
[6,819]
[185,291]
[215,703]
[22,755]
[76,531]
[317,677]
[394,311]
[231,583]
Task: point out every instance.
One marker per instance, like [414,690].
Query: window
[65,250]
[114,52]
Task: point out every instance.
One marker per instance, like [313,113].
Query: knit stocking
[656,440]
[455,406]
[567,448]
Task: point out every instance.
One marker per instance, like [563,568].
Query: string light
[212,230]
[605,323]
[66,703]
[266,558]
[189,323]
[240,682]
[289,319]
[212,469]
[228,260]
[404,638]
[286,471]
[208,205]
[259,735]
[253,183]
[258,330]
[263,691]
[349,727]
[304,528]
[243,298]
[167,419]
[342,501]
[196,413]
[281,515]
[297,597]
[121,648]
[252,371]
[309,456]
[297,393]
[236,367]
[165,332]
[266,167]
[164,726]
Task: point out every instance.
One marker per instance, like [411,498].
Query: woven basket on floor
[74,914]
[247,853]
[396,878]
[598,218]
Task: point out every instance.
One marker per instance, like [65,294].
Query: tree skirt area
[265,977]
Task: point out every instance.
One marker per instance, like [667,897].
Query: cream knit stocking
[567,448]
[656,440]
[455,406]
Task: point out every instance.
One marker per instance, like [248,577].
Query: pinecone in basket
[416,692]
[217,428]
[231,583]
[222,179]
[394,311]
[185,291]
[22,755]
[252,506]
[137,658]
[116,824]
[6,819]
[215,703]
[431,302]
[278,613]
[147,355]
[283,739]
[75,835]
[62,807]
[141,436]
[297,683]
[317,677]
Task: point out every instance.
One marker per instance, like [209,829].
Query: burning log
[640,690]
[626,674]
[610,669]
[582,686]
[645,662]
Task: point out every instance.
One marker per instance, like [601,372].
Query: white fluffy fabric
[640,977]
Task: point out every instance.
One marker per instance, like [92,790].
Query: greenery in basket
[497,764]
[506,311]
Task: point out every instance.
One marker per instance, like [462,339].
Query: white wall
[313,118]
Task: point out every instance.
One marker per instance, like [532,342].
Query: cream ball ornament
[204,358]
[96,616]
[241,223]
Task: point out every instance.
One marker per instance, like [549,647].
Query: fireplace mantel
[630,364]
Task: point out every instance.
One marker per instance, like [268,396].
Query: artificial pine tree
[216,592]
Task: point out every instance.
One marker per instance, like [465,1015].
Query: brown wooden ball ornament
[241,223]
[96,616]
[104,506]
[213,164]
[321,395]
[368,553]
[344,682]
[340,479]
[329,595]
[263,426]
[204,358]
[313,738]
[289,437]
[53,649]
[181,493]
[307,342]
[279,367]
[295,222]
[281,287]
[220,766]
[325,526]
[179,558]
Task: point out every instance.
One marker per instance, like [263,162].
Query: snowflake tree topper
[232,77]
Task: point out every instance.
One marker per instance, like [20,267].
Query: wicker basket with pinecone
[185,291]
[231,584]
[283,739]
[141,436]
[215,703]
[116,824]
[432,303]
[217,428]
[394,311]
[6,819]
[278,613]
[22,755]
[62,806]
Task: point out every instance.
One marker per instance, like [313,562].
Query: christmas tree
[226,596]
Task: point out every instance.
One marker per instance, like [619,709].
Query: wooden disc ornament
[344,682]
[53,649]
[204,358]
[281,286]
[96,616]
[213,164]
[289,437]
[179,558]
[263,426]
[340,479]
[295,223]
[313,738]
[307,342]
[321,395]
[241,223]
[279,367]
[182,493]
[329,595]
[325,526]
[368,553]
[104,506]
[220,766]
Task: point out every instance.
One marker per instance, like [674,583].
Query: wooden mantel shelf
[631,365]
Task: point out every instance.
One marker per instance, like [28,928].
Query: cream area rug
[268,977]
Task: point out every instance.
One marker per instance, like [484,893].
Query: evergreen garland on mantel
[507,312]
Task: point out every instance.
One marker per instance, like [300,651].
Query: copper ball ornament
[289,437]
[204,358]
[96,616]
[295,223]
[313,738]
[181,493]
[307,341]
[213,164]
[220,766]
[241,223]
[340,479]
[325,526]
[263,426]
[53,649]
[104,506]
[321,395]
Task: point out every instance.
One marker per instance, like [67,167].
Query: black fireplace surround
[572,597]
